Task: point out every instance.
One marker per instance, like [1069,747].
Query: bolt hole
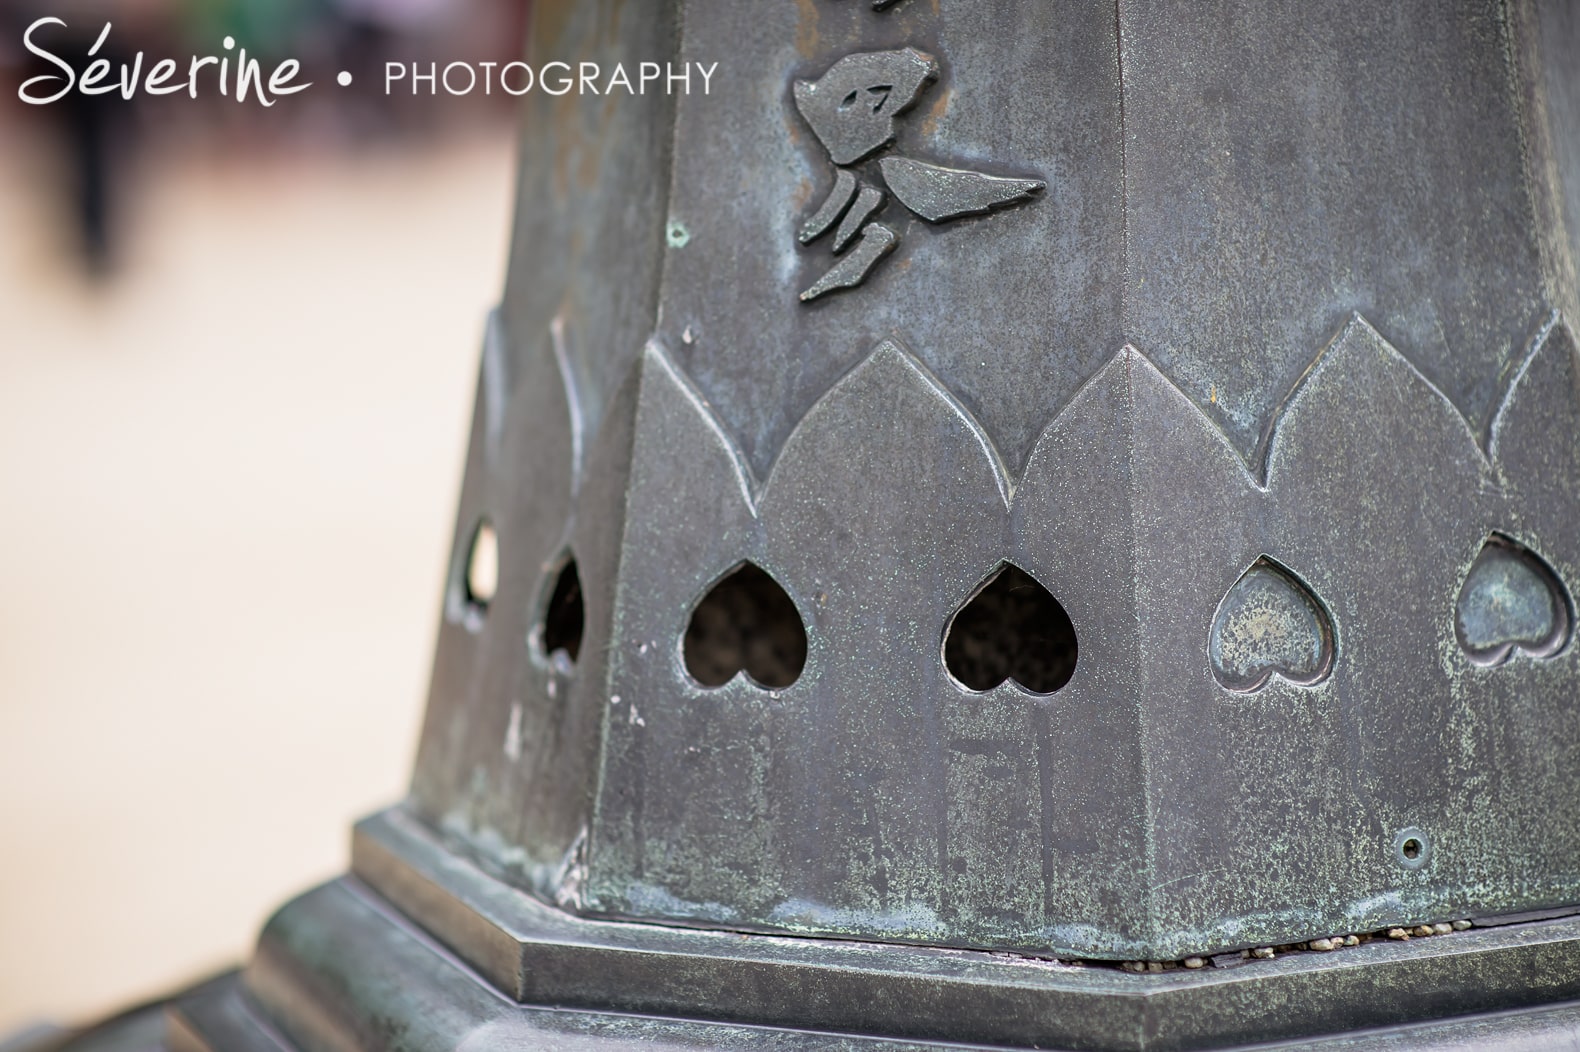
[1412,848]
[482,567]
[565,616]
[746,623]
[1012,628]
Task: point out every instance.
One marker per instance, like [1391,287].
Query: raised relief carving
[1269,624]
[1512,601]
[852,110]
[941,194]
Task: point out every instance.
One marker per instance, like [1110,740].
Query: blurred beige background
[227,480]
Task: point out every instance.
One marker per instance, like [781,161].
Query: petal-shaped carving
[1269,624]
[1073,529]
[1201,518]
[880,511]
[1535,443]
[524,402]
[1367,388]
[1377,488]
[886,506]
[1512,601]
[688,517]
[889,402]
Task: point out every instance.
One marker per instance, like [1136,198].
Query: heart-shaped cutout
[1011,628]
[746,623]
[1269,624]
[559,634]
[1511,601]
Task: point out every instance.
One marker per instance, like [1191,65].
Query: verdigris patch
[1512,601]
[1269,624]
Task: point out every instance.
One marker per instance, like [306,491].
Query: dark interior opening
[565,618]
[1011,629]
[747,623]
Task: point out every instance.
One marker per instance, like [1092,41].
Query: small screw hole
[1412,848]
[482,566]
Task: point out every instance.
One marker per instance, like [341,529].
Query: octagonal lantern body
[1243,330]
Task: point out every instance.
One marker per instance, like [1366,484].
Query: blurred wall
[228,470]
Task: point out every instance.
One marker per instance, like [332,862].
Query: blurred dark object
[92,134]
[99,142]
[88,124]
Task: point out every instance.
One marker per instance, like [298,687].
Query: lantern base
[420,950]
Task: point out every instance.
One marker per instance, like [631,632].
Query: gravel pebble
[1398,933]
[1195,962]
[1461,925]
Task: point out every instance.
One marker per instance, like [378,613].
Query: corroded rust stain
[808,39]
[551,21]
[937,111]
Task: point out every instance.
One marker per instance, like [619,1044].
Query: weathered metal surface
[338,969]
[539,955]
[1286,318]
[337,966]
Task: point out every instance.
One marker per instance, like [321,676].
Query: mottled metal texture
[550,447]
[1277,348]
[338,970]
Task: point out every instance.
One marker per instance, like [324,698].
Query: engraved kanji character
[852,110]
